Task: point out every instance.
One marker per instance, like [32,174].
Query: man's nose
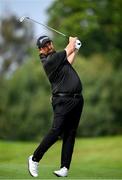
[50,47]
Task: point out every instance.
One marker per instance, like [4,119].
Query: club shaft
[50,28]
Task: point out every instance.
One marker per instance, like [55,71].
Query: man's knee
[56,130]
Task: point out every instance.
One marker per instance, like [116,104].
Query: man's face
[47,48]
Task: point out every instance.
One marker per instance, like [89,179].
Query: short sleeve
[58,57]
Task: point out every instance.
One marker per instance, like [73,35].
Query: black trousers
[67,112]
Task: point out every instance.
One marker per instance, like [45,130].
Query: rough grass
[94,158]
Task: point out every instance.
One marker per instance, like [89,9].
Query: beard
[51,51]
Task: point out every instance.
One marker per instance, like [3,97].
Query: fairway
[94,158]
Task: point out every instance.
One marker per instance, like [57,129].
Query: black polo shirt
[61,74]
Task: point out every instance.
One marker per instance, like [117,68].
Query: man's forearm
[70,48]
[71,57]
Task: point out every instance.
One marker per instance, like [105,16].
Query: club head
[22,19]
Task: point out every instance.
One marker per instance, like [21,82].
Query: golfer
[67,102]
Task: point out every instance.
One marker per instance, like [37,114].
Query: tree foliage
[15,40]
[25,103]
[96,23]
[103,96]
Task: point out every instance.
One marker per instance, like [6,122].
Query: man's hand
[72,39]
[76,41]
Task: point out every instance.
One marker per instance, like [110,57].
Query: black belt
[76,95]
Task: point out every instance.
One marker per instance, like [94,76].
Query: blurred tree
[102,114]
[97,23]
[25,110]
[15,40]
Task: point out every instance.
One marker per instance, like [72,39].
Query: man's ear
[40,50]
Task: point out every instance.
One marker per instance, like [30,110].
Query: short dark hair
[42,40]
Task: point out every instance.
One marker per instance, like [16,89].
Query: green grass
[93,158]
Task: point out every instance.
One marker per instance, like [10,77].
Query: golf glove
[77,44]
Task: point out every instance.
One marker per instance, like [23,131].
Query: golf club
[24,17]
[50,28]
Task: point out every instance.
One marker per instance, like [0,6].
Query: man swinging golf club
[67,102]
